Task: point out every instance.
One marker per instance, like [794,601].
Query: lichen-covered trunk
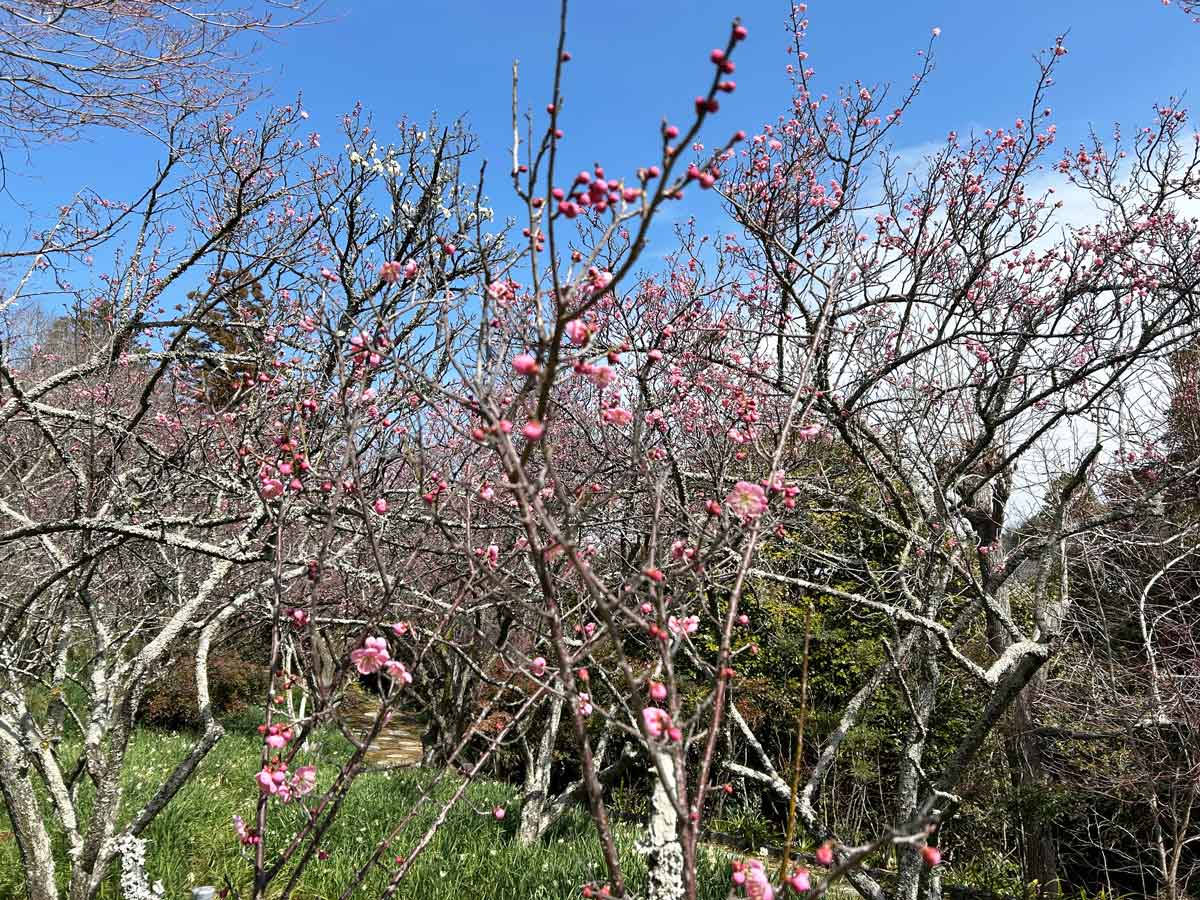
[660,844]
[33,841]
[1039,854]
[90,867]
[909,863]
[536,792]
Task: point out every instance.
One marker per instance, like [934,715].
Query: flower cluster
[752,878]
[374,655]
[273,780]
[276,736]
[747,500]
[658,723]
[247,837]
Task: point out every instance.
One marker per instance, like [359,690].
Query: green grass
[192,841]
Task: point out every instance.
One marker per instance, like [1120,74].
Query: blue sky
[636,61]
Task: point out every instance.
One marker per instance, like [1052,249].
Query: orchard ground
[475,854]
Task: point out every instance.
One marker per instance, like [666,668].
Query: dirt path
[398,742]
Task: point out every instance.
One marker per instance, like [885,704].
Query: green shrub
[234,684]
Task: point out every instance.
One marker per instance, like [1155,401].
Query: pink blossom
[931,855]
[498,812]
[391,271]
[656,721]
[400,629]
[747,500]
[537,667]
[585,705]
[758,885]
[799,881]
[370,657]
[270,488]
[533,430]
[686,625]
[658,691]
[397,672]
[244,835]
[578,332]
[380,506]
[265,781]
[304,781]
[617,416]
[825,854]
[525,364]
[808,432]
[602,376]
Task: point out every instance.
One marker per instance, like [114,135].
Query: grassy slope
[192,841]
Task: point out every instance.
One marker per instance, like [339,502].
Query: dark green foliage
[234,684]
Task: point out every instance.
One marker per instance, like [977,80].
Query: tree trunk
[536,792]
[431,743]
[660,844]
[933,884]
[1039,852]
[33,842]
[909,863]
[1039,856]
